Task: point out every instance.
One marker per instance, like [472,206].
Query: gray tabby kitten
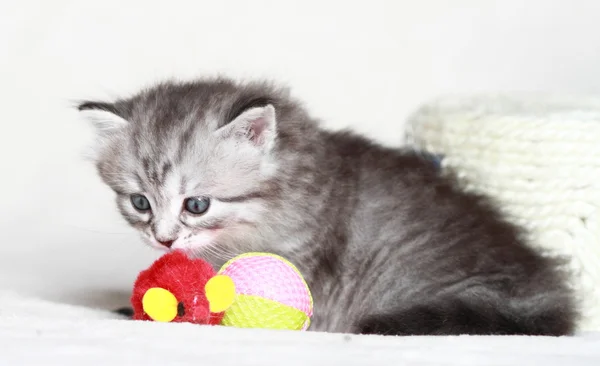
[386,244]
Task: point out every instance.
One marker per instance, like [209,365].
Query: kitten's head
[192,164]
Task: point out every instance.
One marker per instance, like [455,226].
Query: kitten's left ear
[107,122]
[255,125]
[103,116]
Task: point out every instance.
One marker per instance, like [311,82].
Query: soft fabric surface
[38,332]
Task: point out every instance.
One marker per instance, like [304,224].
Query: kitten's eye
[140,202]
[197,206]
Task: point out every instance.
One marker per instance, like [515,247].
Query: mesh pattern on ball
[258,312]
[270,277]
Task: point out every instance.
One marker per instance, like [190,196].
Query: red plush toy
[173,290]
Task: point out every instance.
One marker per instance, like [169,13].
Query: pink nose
[166,243]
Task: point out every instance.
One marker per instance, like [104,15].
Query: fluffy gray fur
[386,244]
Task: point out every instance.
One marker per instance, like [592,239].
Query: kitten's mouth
[156,245]
[216,227]
[201,243]
[200,240]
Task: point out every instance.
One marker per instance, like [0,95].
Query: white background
[359,64]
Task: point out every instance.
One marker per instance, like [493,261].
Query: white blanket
[38,332]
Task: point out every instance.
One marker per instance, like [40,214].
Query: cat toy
[252,290]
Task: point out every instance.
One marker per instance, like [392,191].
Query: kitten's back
[420,247]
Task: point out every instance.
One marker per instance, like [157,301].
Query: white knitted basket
[539,157]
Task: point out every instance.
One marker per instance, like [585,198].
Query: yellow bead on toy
[220,293]
[160,304]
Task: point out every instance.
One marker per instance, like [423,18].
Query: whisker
[97,231]
[219,252]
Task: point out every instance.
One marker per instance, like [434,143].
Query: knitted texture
[250,311]
[270,291]
[538,156]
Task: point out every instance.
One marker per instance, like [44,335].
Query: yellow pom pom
[160,304]
[220,293]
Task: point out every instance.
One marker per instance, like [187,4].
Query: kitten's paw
[125,311]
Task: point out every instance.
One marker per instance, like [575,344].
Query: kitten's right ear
[103,116]
[255,125]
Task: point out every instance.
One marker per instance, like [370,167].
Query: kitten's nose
[166,243]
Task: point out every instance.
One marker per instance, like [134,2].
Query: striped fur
[386,244]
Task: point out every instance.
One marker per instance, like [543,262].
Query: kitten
[386,243]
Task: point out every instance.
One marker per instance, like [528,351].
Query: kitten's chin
[202,252]
[215,246]
[219,250]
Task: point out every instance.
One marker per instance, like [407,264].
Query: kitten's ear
[255,125]
[103,116]
[107,125]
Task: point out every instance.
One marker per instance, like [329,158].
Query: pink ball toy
[270,293]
